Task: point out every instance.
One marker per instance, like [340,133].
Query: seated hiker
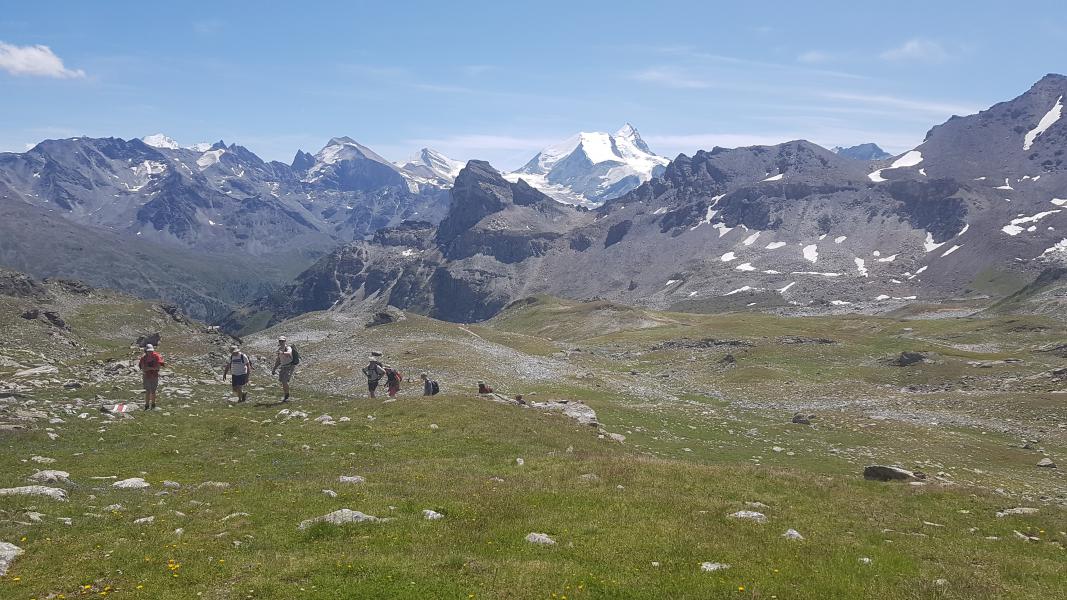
[483,388]
[374,371]
[429,386]
[239,366]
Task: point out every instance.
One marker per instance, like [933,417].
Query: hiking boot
[244,396]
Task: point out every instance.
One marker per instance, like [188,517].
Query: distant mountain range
[976,210]
[978,207]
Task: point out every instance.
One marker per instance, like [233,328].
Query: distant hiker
[429,386]
[285,364]
[150,364]
[392,380]
[483,388]
[374,371]
[238,367]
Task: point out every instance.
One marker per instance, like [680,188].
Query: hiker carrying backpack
[392,381]
[429,386]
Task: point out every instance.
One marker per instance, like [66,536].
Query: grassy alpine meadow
[645,505]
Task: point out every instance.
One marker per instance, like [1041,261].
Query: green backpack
[296,356]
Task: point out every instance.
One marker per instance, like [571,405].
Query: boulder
[800,419]
[8,553]
[36,490]
[148,338]
[886,473]
[540,539]
[50,476]
[341,517]
[133,483]
[907,358]
[1046,463]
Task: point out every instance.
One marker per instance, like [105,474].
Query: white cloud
[917,50]
[34,61]
[812,57]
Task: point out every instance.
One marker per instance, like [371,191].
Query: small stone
[144,521]
[215,485]
[434,427]
[1046,463]
[711,567]
[864,560]
[174,485]
[431,515]
[792,534]
[330,493]
[941,582]
[540,538]
[749,515]
[44,460]
[114,508]
[352,479]
[520,462]
[886,473]
[590,477]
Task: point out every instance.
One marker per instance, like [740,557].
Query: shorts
[285,373]
[372,384]
[150,383]
[239,380]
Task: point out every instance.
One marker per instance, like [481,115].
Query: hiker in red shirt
[150,364]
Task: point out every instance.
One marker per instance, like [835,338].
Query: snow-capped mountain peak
[345,148]
[430,164]
[591,167]
[159,140]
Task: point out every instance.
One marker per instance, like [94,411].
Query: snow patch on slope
[1046,121]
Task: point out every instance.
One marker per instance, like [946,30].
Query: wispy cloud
[670,77]
[35,61]
[935,108]
[917,49]
[813,57]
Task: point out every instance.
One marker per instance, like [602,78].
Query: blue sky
[499,80]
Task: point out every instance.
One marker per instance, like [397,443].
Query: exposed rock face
[20,285]
[8,553]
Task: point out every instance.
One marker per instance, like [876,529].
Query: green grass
[699,446]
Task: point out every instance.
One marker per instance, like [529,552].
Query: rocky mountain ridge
[792,225]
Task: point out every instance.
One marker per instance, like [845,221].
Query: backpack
[153,363]
[393,377]
[434,388]
[296,356]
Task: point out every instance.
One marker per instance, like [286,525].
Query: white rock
[36,490]
[1022,510]
[234,516]
[711,567]
[216,485]
[618,437]
[434,426]
[114,508]
[34,372]
[750,515]
[431,515]
[8,553]
[540,538]
[520,462]
[330,493]
[341,517]
[352,479]
[179,531]
[50,476]
[44,460]
[144,521]
[865,560]
[344,419]
[323,419]
[133,483]
[792,534]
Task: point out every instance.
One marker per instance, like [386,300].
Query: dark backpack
[393,377]
[434,388]
[296,356]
